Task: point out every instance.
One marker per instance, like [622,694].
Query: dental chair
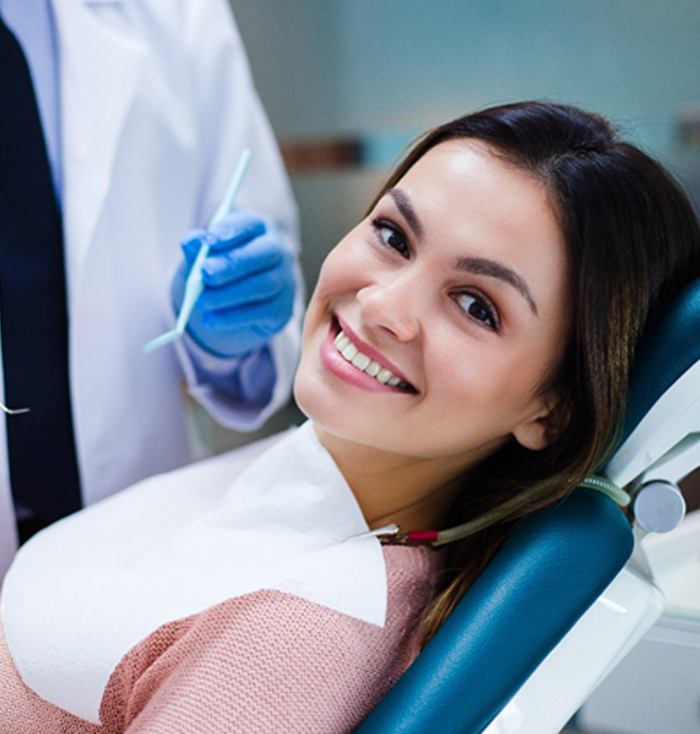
[570,592]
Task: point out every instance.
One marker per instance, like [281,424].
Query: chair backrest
[552,568]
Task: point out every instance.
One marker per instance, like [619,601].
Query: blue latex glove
[249,285]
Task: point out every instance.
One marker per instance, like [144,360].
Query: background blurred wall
[372,67]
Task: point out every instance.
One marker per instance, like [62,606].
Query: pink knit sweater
[265,662]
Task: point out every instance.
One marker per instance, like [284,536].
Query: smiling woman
[435,287]
[465,361]
[596,237]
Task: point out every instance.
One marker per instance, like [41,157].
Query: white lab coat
[157,103]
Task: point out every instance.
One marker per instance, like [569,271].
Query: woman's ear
[546,426]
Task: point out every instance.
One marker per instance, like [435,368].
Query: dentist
[121,125]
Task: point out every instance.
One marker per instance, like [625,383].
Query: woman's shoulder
[331,668]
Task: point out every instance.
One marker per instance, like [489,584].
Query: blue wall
[419,62]
[325,67]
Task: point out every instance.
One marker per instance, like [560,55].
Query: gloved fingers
[263,318]
[262,253]
[236,229]
[257,287]
[191,244]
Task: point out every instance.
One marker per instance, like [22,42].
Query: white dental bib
[85,591]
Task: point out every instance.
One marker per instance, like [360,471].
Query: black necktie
[33,320]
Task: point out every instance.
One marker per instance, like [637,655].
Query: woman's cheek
[347,267]
[472,372]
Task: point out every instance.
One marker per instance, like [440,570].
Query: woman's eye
[479,309]
[391,236]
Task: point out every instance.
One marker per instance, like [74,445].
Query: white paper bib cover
[85,591]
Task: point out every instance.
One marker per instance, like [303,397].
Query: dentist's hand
[249,285]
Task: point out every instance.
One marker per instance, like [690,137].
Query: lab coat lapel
[99,74]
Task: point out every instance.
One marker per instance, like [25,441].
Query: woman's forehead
[470,169]
[467,202]
[461,188]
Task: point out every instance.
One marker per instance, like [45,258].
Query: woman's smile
[359,364]
[376,372]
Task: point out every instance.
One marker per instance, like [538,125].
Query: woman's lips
[370,351]
[341,368]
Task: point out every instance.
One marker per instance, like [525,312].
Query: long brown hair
[632,241]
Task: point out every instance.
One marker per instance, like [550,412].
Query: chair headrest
[670,347]
[665,383]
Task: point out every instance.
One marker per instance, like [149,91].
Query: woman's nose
[391,307]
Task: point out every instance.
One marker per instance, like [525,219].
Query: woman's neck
[414,493]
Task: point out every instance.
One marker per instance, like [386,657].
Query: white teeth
[361,361]
[341,341]
[369,366]
[373,368]
[384,376]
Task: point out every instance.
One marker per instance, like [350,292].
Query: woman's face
[456,286]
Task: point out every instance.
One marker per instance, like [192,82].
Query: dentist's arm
[240,392]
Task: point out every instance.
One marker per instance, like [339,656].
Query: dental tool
[194,285]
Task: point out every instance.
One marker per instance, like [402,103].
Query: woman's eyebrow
[476,265]
[493,269]
[403,204]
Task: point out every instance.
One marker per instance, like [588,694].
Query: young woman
[465,360]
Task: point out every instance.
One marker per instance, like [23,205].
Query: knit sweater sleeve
[270,662]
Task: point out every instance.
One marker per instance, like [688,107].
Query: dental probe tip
[161,340]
